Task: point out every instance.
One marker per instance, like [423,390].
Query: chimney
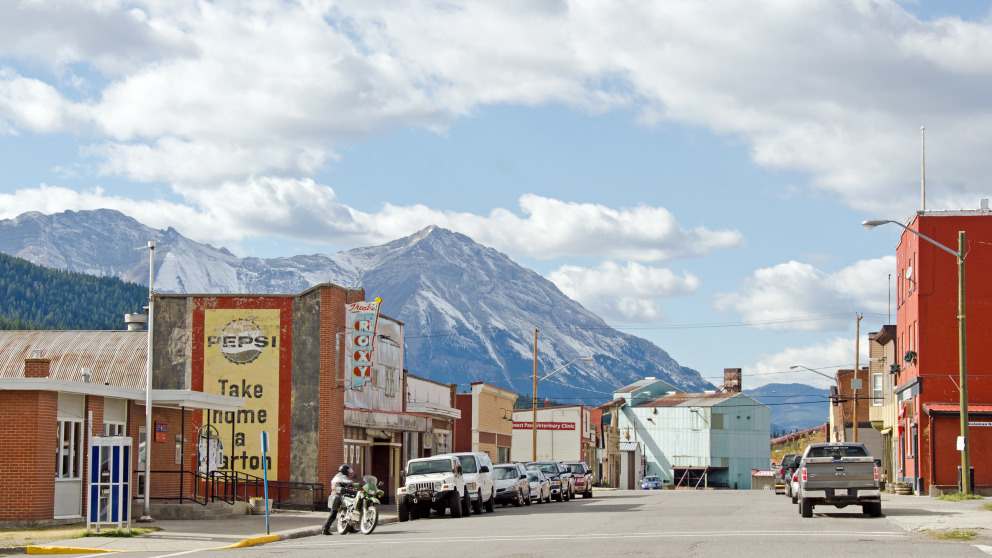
[36,366]
[547,403]
[732,380]
[135,322]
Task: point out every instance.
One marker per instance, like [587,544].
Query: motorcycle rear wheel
[344,526]
[370,518]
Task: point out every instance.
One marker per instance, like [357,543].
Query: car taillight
[804,474]
[877,474]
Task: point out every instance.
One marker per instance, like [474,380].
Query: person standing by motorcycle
[341,481]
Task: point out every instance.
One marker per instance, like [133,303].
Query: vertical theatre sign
[361,318]
[241,359]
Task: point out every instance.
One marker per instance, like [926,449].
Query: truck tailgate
[844,473]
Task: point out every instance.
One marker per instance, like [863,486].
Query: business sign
[544,425]
[361,318]
[241,359]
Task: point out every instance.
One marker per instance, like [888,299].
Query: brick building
[926,382]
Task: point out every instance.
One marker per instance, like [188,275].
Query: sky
[695,173]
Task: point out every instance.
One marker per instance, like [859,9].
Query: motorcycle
[359,511]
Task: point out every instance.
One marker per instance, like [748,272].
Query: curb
[243,543]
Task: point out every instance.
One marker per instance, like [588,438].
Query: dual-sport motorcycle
[359,508]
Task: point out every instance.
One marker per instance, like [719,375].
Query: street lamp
[533,425]
[962,344]
[835,401]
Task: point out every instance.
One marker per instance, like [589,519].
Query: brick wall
[164,483]
[331,418]
[28,429]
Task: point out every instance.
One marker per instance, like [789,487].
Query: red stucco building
[926,374]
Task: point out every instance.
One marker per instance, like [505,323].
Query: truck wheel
[873,509]
[491,502]
[805,508]
[455,504]
[477,504]
[466,505]
[402,511]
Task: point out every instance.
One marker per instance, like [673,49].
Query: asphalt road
[673,523]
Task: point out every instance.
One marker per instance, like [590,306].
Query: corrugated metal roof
[115,358]
[636,385]
[628,446]
[688,400]
[953,408]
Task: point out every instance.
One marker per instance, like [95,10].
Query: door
[69,469]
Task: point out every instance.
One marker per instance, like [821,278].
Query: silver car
[540,486]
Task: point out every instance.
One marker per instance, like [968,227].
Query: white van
[477,471]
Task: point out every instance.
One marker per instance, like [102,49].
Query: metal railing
[232,486]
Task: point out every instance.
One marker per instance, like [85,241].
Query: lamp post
[537,380]
[962,344]
[146,515]
[837,383]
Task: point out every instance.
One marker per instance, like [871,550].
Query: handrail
[232,486]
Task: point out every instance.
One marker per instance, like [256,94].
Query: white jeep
[432,483]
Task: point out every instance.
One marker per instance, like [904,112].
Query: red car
[582,477]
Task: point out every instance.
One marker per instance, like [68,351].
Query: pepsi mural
[241,359]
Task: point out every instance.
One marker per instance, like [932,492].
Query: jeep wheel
[402,511]
[455,504]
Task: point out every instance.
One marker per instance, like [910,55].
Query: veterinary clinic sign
[544,425]
[361,318]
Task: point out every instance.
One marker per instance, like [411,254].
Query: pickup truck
[839,474]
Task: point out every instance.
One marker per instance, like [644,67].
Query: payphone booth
[109,483]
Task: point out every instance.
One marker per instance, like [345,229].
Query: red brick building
[927,346]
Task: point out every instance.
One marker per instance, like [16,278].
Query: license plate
[840,492]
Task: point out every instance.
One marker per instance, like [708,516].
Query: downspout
[933,456]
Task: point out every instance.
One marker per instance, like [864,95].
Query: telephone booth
[109,482]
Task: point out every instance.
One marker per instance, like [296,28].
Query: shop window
[69,458]
[876,390]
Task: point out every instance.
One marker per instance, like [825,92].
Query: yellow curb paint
[66,550]
[251,541]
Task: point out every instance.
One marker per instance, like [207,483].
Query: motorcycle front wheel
[370,518]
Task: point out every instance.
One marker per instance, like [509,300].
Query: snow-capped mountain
[469,310]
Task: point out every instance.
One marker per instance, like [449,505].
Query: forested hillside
[35,297]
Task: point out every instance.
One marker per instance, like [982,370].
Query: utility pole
[533,402]
[856,382]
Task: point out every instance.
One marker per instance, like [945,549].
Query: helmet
[344,469]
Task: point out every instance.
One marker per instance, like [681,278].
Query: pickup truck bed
[838,474]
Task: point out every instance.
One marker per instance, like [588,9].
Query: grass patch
[958,497]
[953,535]
[38,535]
[123,533]
[987,507]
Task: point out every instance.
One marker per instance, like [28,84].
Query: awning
[628,446]
[954,409]
[195,400]
[164,398]
[388,421]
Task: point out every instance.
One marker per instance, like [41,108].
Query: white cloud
[825,358]
[780,296]
[223,91]
[623,293]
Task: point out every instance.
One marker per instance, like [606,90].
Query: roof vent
[86,375]
[135,322]
[670,393]
[985,204]
[710,391]
[650,378]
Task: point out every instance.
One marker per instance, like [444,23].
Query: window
[113,429]
[876,390]
[502,454]
[390,382]
[69,456]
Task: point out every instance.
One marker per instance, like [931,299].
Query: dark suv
[561,486]
[780,479]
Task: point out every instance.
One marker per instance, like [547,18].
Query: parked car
[581,478]
[432,483]
[540,486]
[477,470]
[794,486]
[559,484]
[651,482]
[512,485]
[789,467]
[839,474]
[567,477]
[780,477]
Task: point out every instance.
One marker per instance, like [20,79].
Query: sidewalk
[184,535]
[923,513]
